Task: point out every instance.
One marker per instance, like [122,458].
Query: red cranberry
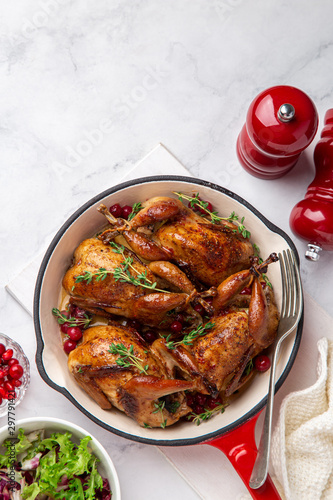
[197,409]
[64,327]
[150,336]
[176,326]
[79,313]
[246,291]
[213,403]
[199,309]
[126,211]
[16,371]
[179,317]
[200,399]
[190,399]
[262,363]
[115,210]
[74,333]
[134,323]
[69,345]
[198,208]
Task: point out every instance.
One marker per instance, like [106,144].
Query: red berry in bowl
[2,349]
[126,211]
[12,361]
[16,371]
[7,355]
[115,210]
[262,363]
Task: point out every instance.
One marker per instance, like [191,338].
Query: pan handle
[240,448]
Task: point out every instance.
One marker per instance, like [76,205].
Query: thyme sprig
[121,273]
[206,415]
[195,201]
[257,254]
[159,407]
[127,358]
[135,209]
[190,337]
[71,321]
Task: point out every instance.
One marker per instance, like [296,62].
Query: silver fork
[291,311]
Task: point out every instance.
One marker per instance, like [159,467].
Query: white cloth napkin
[302,443]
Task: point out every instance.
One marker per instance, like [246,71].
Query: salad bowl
[37,428]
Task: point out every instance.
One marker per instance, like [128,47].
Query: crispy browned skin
[116,297]
[236,337]
[128,389]
[210,252]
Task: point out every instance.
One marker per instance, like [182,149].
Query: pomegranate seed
[3,392]
[12,361]
[2,373]
[115,210]
[262,363]
[74,333]
[69,345]
[176,326]
[2,349]
[126,211]
[11,394]
[8,387]
[8,354]
[16,371]
[17,382]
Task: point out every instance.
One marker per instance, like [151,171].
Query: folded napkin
[302,442]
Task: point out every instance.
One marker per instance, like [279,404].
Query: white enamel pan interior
[85,222]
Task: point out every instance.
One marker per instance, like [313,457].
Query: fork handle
[260,469]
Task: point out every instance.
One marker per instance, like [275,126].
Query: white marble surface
[88,88]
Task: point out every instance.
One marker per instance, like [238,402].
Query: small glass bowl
[25,379]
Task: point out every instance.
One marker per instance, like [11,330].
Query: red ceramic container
[312,218]
[281,122]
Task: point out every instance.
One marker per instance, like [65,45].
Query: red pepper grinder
[281,122]
[312,218]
